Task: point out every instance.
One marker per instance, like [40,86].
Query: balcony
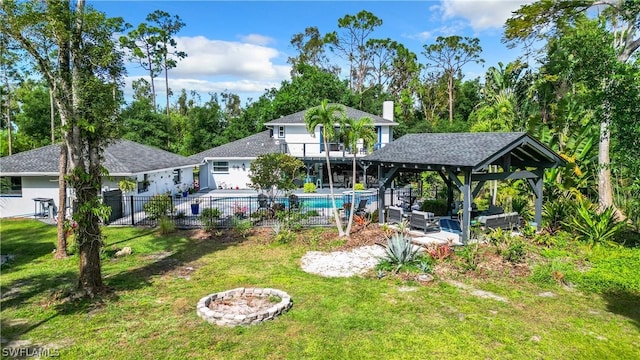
[312,150]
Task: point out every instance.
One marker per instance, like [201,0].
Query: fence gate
[113,199]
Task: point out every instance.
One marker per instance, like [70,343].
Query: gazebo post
[381,191]
[537,186]
[466,207]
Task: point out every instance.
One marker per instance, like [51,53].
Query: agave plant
[400,251]
[593,227]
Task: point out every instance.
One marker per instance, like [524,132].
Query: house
[30,179]
[227,166]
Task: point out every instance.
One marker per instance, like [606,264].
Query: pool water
[313,203]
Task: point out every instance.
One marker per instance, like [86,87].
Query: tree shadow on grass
[24,244]
[624,303]
[164,263]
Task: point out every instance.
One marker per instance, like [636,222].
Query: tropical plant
[309,188]
[400,251]
[357,132]
[557,212]
[593,227]
[327,116]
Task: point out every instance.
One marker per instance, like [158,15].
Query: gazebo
[463,158]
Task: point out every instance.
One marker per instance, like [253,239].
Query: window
[11,186]
[220,167]
[280,131]
[176,176]
[143,186]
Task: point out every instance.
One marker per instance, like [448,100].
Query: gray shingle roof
[249,147]
[122,157]
[298,118]
[462,149]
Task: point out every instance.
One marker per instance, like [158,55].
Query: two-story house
[227,166]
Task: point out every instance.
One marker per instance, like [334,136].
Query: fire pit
[243,306]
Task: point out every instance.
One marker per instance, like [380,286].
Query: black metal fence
[225,211]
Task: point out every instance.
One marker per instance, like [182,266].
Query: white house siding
[47,187]
[32,187]
[236,177]
[300,142]
[160,182]
[386,135]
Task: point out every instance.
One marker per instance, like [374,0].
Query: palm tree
[357,131]
[327,116]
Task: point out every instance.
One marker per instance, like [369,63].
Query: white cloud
[208,57]
[256,39]
[242,86]
[481,14]
[425,35]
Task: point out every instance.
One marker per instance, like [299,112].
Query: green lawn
[150,313]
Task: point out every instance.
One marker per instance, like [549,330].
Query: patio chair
[395,215]
[263,207]
[425,221]
[263,202]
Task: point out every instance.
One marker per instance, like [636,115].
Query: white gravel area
[342,263]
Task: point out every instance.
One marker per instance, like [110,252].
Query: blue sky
[243,46]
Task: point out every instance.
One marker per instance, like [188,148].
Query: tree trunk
[153,86]
[52,114]
[166,81]
[61,245]
[450,93]
[336,215]
[9,128]
[90,279]
[353,197]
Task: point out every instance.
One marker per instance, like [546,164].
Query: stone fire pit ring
[234,307]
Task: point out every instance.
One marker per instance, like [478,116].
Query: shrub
[470,256]
[441,251]
[158,205]
[520,204]
[556,212]
[309,188]
[285,236]
[208,217]
[595,228]
[166,225]
[438,207]
[399,251]
[312,213]
[515,250]
[243,227]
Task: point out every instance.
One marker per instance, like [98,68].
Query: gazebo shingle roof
[474,150]
[298,118]
[123,157]
[249,147]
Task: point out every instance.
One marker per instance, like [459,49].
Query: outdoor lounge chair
[395,215]
[361,210]
[505,221]
[424,221]
[294,202]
